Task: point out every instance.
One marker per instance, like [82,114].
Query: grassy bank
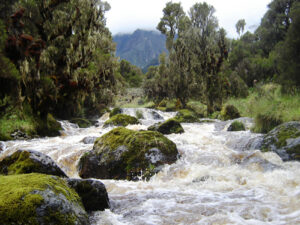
[23,120]
[268,106]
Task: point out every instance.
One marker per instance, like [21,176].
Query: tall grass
[268,106]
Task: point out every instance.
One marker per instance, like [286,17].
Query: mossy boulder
[170,126]
[236,126]
[284,140]
[124,154]
[52,127]
[93,193]
[29,161]
[39,199]
[81,122]
[121,120]
[115,111]
[186,116]
[229,112]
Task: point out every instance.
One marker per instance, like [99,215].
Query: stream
[220,178]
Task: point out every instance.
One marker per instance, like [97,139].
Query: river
[220,178]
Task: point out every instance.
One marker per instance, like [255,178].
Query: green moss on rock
[121,120]
[124,153]
[81,122]
[229,112]
[39,199]
[236,126]
[186,116]
[28,161]
[284,140]
[115,111]
[168,127]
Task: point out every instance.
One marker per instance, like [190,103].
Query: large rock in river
[92,193]
[186,116]
[170,126]
[284,140]
[29,161]
[121,120]
[124,153]
[39,199]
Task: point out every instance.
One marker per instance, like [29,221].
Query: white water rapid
[221,178]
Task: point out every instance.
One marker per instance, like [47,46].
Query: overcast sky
[126,16]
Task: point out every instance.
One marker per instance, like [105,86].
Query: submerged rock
[156,115]
[124,153]
[121,120]
[19,135]
[39,199]
[81,122]
[92,193]
[186,116]
[29,161]
[168,127]
[284,140]
[2,146]
[88,140]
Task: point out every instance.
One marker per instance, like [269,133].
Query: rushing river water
[220,178]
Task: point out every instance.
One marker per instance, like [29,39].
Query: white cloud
[126,16]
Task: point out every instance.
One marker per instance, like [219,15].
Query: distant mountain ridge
[141,48]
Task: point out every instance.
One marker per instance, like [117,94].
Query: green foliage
[288,53]
[240,26]
[268,106]
[132,74]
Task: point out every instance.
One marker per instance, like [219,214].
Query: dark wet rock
[284,140]
[120,120]
[168,127]
[186,116]
[156,115]
[124,153]
[39,199]
[115,111]
[2,146]
[29,161]
[236,126]
[92,193]
[19,135]
[81,122]
[88,140]
[229,112]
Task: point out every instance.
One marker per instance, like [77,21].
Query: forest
[57,60]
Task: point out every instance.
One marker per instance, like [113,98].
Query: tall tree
[240,26]
[208,45]
[169,24]
[69,64]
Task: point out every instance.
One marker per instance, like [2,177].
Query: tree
[169,24]
[208,46]
[288,52]
[274,24]
[240,26]
[70,63]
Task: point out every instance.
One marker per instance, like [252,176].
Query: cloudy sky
[126,16]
